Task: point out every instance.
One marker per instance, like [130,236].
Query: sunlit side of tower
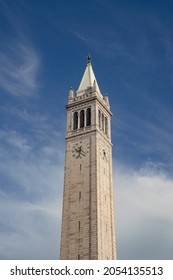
[88,227]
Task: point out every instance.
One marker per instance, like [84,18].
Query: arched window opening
[82,116]
[106,125]
[103,122]
[88,116]
[75,120]
[99,115]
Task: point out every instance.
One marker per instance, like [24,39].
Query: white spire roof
[88,80]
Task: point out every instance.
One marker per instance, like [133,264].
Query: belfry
[88,226]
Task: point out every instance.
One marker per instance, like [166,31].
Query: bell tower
[88,227]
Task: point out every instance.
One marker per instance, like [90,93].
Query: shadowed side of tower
[88,227]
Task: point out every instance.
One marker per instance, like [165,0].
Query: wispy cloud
[24,115]
[31,172]
[131,39]
[19,69]
[19,59]
[14,140]
[146,134]
[31,131]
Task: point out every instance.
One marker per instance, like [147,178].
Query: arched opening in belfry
[88,116]
[75,120]
[82,118]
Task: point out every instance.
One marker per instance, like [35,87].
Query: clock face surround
[80,149]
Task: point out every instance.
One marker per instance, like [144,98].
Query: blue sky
[43,51]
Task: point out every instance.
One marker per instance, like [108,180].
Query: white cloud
[144,213]
[30,201]
[29,230]
[19,69]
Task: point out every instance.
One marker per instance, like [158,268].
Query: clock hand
[80,148]
[80,151]
[83,153]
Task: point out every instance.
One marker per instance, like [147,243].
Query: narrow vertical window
[75,120]
[103,122]
[82,116]
[79,195]
[79,225]
[88,116]
[78,257]
[99,116]
[106,125]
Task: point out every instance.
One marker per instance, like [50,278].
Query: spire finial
[89,59]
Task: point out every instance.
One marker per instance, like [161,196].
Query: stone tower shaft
[88,227]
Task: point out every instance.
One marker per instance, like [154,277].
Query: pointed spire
[88,80]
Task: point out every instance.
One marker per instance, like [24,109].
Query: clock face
[80,149]
[104,152]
